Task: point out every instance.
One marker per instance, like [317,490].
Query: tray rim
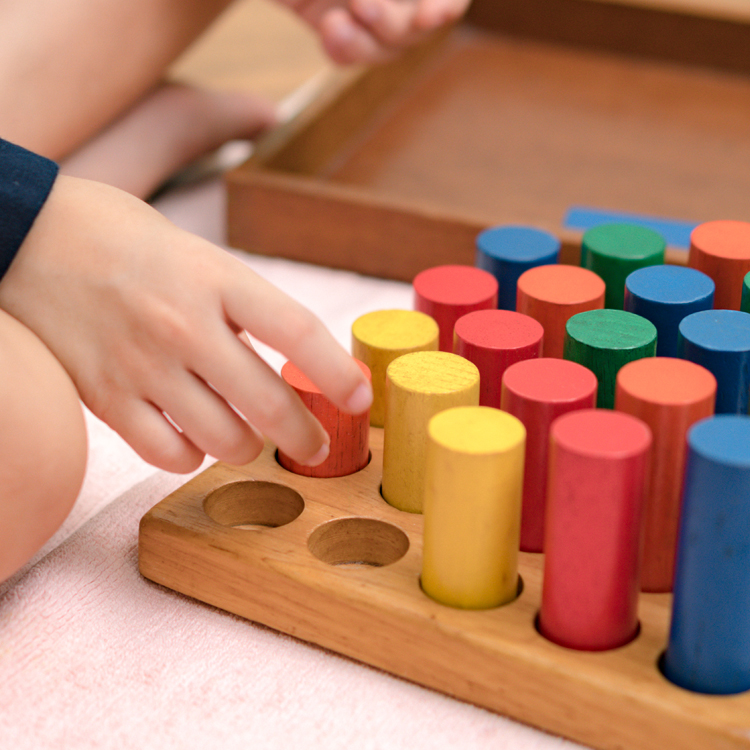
[280,178]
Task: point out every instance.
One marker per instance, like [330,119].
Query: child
[103,298]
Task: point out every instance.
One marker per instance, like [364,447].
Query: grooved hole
[318,472]
[590,648]
[519,591]
[249,505]
[357,542]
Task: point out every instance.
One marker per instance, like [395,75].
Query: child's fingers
[433,13]
[153,438]
[370,31]
[284,324]
[207,420]
[391,22]
[259,394]
[347,41]
[245,339]
[343,38]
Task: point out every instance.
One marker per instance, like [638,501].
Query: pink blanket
[94,656]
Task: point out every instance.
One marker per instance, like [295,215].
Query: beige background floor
[256,45]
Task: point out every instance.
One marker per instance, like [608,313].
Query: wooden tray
[524,110]
[196,541]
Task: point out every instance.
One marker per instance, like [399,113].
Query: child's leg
[169,128]
[68,69]
[42,445]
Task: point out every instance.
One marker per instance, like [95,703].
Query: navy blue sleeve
[25,182]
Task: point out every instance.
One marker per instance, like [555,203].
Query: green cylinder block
[604,341]
[615,250]
[745,303]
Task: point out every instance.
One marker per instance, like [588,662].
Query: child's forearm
[145,318]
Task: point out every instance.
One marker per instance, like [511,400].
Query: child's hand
[146,319]
[354,31]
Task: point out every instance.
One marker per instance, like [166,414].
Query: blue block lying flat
[675,232]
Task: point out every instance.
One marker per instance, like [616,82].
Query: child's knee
[43,445]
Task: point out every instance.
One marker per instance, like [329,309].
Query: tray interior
[499,127]
[515,116]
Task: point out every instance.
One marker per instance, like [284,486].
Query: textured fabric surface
[94,656]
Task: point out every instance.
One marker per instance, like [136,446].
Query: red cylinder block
[494,340]
[349,433]
[538,391]
[447,293]
[598,462]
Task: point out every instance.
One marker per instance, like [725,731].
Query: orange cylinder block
[552,294]
[669,395]
[721,249]
[349,433]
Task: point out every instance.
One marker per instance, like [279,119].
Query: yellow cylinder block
[379,337]
[472,507]
[418,386]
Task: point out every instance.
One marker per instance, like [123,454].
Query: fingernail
[319,457]
[360,400]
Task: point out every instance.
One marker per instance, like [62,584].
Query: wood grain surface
[730,9]
[669,395]
[397,168]
[612,700]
